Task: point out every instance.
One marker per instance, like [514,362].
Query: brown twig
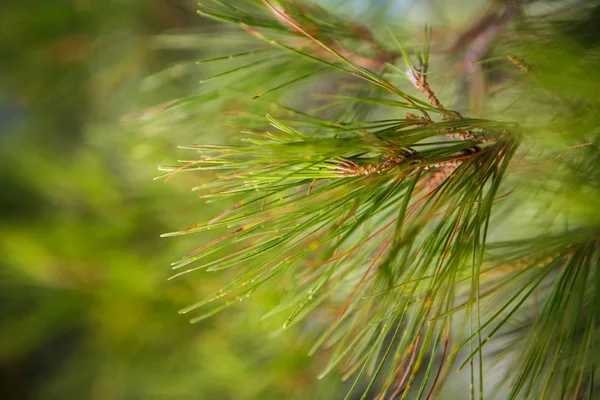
[517,62]
[350,168]
[420,82]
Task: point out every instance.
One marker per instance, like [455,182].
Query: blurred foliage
[85,308]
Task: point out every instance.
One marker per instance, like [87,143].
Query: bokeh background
[86,311]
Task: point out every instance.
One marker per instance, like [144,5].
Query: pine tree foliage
[444,242]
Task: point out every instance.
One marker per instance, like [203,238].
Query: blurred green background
[86,311]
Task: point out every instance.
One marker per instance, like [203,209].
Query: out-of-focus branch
[474,44]
[373,62]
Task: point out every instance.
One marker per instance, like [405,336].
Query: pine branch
[391,219]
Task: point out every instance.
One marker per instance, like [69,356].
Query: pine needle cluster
[441,241]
